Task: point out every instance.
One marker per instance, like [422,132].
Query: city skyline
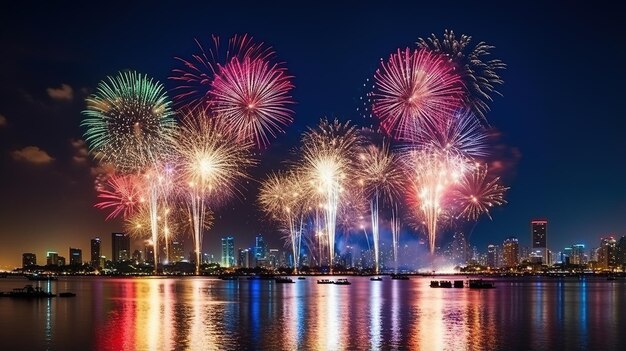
[551,153]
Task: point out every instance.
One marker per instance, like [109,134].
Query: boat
[376,279]
[38,277]
[342,282]
[458,284]
[434,284]
[30,292]
[611,277]
[445,284]
[67,294]
[480,284]
[399,277]
[301,278]
[283,280]
[228,277]
[325,281]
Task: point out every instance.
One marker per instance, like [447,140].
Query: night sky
[560,120]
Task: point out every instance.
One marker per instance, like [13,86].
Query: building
[137,257]
[244,258]
[510,254]
[149,252]
[539,233]
[228,251]
[492,256]
[607,253]
[76,257]
[178,251]
[577,254]
[96,252]
[52,258]
[29,259]
[120,243]
[459,249]
[621,252]
[260,248]
[273,258]
[61,261]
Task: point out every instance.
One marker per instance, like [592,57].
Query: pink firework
[412,89]
[476,194]
[121,195]
[252,97]
[195,76]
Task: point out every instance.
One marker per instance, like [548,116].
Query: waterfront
[208,313]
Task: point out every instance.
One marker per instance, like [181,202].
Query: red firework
[413,89]
[252,97]
[120,194]
[195,77]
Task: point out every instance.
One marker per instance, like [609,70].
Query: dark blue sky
[562,109]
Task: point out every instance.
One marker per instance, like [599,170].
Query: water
[211,314]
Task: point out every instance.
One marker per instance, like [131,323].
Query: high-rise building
[120,243]
[510,254]
[539,233]
[76,257]
[29,259]
[492,256]
[459,249]
[95,252]
[577,255]
[607,253]
[260,248]
[149,252]
[52,258]
[137,257]
[178,251]
[272,257]
[621,252]
[228,251]
[61,261]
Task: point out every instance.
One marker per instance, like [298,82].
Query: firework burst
[479,74]
[121,194]
[413,89]
[252,97]
[197,73]
[476,194]
[129,122]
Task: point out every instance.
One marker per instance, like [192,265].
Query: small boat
[67,294]
[342,282]
[39,277]
[458,284]
[445,284]
[480,284]
[376,279]
[301,278]
[611,277]
[434,284]
[283,280]
[30,292]
[325,281]
[399,277]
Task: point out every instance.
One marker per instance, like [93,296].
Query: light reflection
[375,312]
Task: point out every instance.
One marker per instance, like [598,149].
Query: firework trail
[380,175]
[413,88]
[211,162]
[478,73]
[327,165]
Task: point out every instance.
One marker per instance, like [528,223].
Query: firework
[281,197]
[459,133]
[252,96]
[380,175]
[327,155]
[211,162]
[479,74]
[433,174]
[475,194]
[129,122]
[121,194]
[413,89]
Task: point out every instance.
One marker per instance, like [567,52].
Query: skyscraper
[510,248]
[29,259]
[621,252]
[539,232]
[607,253]
[228,251]
[149,252]
[52,258]
[178,251]
[76,257]
[492,256]
[260,248]
[120,243]
[577,255]
[95,252]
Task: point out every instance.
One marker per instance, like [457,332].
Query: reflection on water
[210,314]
